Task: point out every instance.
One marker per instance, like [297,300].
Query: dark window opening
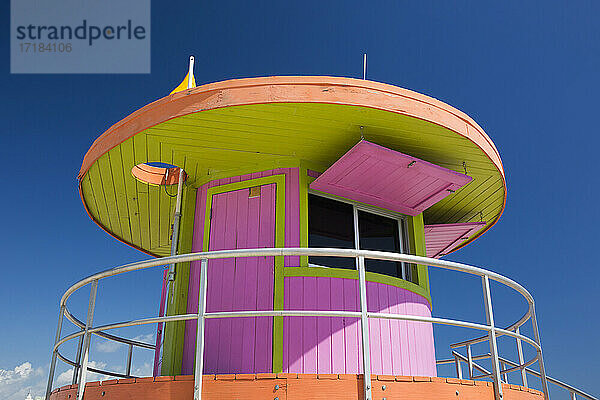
[331,224]
[380,233]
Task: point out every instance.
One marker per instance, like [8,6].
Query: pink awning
[386,178]
[443,238]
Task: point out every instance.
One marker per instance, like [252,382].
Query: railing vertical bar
[470,361]
[505,375]
[77,360]
[521,359]
[489,313]
[536,336]
[87,339]
[458,367]
[160,326]
[573,395]
[129,356]
[364,326]
[61,313]
[199,364]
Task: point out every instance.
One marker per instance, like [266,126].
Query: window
[332,223]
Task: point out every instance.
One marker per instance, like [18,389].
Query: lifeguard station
[297,219]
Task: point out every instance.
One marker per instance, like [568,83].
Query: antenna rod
[365,66]
[190,73]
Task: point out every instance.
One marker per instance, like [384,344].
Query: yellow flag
[184,85]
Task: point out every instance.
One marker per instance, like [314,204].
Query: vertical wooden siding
[259,222]
[240,345]
[332,345]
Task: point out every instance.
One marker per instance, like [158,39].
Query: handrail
[515,367]
[108,336]
[87,329]
[555,381]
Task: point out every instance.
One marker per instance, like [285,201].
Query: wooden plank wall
[332,345]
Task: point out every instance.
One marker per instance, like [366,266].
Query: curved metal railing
[86,330]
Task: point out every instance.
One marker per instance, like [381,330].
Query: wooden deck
[292,387]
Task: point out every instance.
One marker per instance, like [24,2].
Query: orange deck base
[292,387]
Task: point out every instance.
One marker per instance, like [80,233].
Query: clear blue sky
[527,72]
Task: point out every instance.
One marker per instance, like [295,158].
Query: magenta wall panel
[240,222]
[293,291]
[332,345]
[374,329]
[351,326]
[441,239]
[382,177]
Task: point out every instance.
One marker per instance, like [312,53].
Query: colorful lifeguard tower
[297,218]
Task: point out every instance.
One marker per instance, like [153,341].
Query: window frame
[402,224]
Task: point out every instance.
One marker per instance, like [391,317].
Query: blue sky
[527,72]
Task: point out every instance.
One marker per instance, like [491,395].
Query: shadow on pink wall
[332,345]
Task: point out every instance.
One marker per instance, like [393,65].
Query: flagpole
[190,83]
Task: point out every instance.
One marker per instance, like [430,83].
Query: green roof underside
[242,139]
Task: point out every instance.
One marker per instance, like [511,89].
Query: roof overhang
[280,121]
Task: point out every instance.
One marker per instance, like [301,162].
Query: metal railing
[86,330]
[470,361]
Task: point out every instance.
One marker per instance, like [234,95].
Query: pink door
[240,219]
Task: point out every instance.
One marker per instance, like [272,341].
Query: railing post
[573,395]
[61,313]
[160,326]
[129,355]
[536,336]
[521,359]
[87,339]
[470,361]
[364,325]
[489,314]
[77,360]
[458,367]
[505,375]
[199,368]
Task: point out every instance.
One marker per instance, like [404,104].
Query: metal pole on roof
[190,83]
[365,66]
